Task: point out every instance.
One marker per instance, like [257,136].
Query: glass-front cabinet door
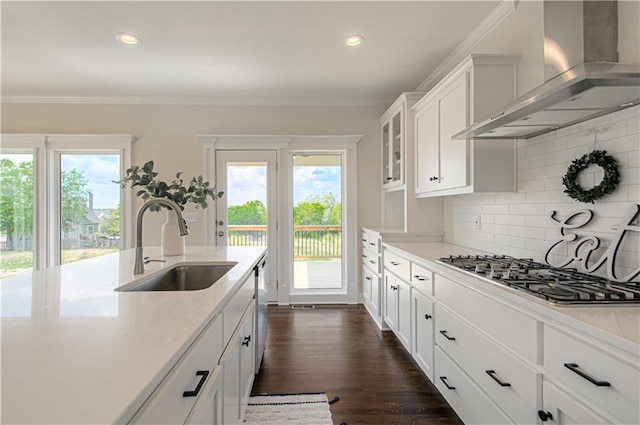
[392,148]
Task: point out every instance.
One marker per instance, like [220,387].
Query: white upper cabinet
[394,139]
[444,166]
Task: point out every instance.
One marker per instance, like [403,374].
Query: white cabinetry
[172,402]
[445,166]
[209,385]
[400,208]
[371,275]
[499,360]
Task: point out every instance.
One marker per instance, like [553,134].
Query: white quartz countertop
[74,351]
[619,325]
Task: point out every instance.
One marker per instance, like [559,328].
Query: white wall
[517,224]
[167,134]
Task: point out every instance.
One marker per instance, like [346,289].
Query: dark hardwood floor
[340,351]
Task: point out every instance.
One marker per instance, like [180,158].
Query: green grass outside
[17,262]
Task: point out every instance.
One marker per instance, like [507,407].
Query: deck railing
[308,241]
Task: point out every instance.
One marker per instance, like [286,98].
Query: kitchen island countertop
[74,351]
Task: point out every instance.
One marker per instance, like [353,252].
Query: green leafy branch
[196,192]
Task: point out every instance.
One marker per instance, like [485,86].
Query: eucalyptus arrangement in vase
[197,191]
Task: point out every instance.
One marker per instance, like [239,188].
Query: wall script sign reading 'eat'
[585,246]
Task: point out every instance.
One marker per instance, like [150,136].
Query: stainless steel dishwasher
[262,322]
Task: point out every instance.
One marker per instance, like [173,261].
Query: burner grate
[560,286]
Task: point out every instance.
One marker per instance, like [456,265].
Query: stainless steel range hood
[583,77]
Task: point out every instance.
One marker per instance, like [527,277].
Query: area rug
[303,409]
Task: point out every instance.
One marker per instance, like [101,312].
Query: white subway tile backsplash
[510,198]
[495,209]
[518,223]
[510,241]
[496,229]
[527,232]
[517,220]
[526,209]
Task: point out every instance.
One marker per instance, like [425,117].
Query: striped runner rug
[307,409]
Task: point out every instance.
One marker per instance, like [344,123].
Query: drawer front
[463,395]
[510,327]
[168,405]
[619,398]
[371,260]
[235,309]
[371,242]
[509,382]
[566,408]
[397,265]
[422,279]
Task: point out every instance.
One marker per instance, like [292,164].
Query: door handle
[450,338]
[221,233]
[573,367]
[203,377]
[220,223]
[446,384]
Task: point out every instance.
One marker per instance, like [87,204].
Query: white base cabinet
[560,408]
[209,386]
[422,336]
[498,362]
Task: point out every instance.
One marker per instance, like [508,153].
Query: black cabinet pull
[573,367]
[368,277]
[203,374]
[492,374]
[420,278]
[427,316]
[394,263]
[446,384]
[372,243]
[364,255]
[450,338]
[246,341]
[372,262]
[544,416]
[389,178]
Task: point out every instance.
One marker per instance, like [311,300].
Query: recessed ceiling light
[127,38]
[353,40]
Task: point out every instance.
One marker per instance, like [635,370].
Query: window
[60,202]
[16,213]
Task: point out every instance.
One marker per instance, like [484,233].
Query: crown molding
[200,101]
[491,22]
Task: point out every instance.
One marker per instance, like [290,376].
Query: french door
[247,213]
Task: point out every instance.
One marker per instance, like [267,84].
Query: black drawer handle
[372,244]
[573,367]
[203,374]
[246,341]
[364,255]
[394,263]
[420,278]
[427,316]
[544,416]
[450,338]
[446,384]
[368,277]
[364,240]
[372,262]
[492,374]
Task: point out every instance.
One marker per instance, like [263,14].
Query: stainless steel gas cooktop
[558,286]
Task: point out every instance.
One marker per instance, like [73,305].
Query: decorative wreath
[606,186]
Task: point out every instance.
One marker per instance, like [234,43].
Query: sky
[100,171]
[246,183]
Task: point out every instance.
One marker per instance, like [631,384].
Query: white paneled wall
[518,224]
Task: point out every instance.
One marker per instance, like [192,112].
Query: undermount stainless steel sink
[183,278]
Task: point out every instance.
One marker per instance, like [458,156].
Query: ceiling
[252,52]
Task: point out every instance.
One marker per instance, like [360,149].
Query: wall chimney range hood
[583,77]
